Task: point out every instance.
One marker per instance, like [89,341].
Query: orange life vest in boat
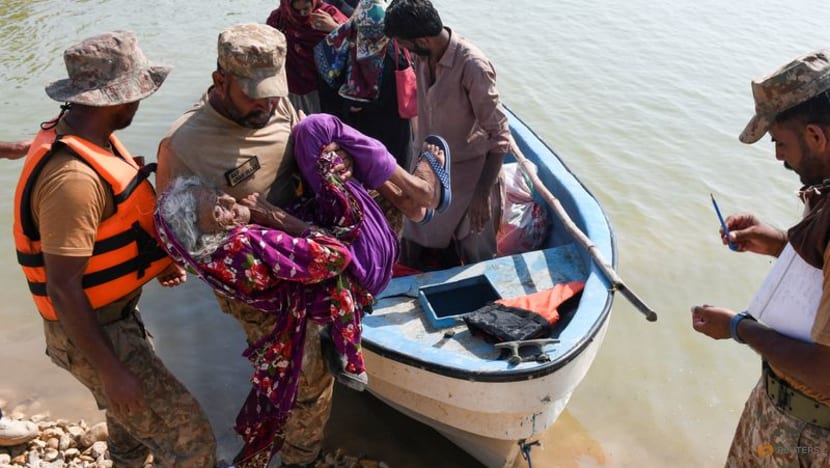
[126,254]
[546,303]
[524,317]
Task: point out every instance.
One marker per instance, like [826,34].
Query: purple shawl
[375,247]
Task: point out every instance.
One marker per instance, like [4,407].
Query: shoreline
[73,444]
[357,434]
[81,444]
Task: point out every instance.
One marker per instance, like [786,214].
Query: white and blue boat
[426,363]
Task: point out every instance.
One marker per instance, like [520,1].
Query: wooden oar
[580,236]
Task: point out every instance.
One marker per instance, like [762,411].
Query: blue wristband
[733,325]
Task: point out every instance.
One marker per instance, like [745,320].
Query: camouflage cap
[255,54]
[107,70]
[798,81]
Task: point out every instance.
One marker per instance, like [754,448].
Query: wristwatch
[733,325]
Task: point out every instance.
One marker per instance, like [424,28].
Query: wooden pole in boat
[580,236]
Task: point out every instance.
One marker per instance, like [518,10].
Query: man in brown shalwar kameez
[457,99]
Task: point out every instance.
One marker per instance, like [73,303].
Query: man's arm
[70,201]
[63,279]
[808,363]
[164,170]
[14,150]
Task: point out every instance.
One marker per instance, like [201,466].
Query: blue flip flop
[441,171]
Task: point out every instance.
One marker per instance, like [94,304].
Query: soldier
[786,420]
[84,236]
[238,140]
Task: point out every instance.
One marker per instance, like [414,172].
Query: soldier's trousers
[767,437]
[175,429]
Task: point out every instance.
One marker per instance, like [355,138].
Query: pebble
[98,449]
[52,443]
[337,459]
[96,433]
[61,443]
[71,453]
[66,442]
[51,454]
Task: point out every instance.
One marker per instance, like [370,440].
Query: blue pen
[731,244]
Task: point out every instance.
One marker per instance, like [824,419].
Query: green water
[642,100]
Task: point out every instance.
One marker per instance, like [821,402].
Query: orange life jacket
[126,254]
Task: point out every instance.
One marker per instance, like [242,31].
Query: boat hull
[486,419]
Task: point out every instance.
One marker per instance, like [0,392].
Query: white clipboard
[789,297]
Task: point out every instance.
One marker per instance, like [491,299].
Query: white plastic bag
[524,223]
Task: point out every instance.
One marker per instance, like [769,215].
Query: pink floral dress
[298,279]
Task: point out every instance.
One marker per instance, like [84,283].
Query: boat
[495,403]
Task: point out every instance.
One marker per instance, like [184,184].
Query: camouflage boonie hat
[255,54]
[798,81]
[107,70]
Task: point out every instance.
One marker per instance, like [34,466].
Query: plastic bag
[524,223]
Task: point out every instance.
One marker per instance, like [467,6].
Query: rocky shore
[60,443]
[64,444]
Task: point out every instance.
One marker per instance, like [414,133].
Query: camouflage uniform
[255,55]
[766,437]
[109,70]
[175,428]
[304,429]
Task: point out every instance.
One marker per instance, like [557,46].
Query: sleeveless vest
[126,254]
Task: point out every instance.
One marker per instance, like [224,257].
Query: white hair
[179,208]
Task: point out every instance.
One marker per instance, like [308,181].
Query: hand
[268,215]
[479,213]
[123,392]
[14,150]
[345,169]
[751,235]
[712,321]
[172,276]
[262,212]
[322,21]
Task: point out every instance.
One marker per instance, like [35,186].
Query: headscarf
[301,39]
[350,59]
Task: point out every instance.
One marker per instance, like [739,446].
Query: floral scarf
[350,59]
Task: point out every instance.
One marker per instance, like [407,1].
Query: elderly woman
[321,259]
[262,255]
